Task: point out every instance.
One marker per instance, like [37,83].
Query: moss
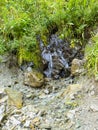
[38,74]
[44,39]
[71,104]
[91,54]
[26,55]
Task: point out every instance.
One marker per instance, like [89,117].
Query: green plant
[21,21]
[92,56]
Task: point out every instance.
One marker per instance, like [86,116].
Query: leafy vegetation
[21,21]
[92,56]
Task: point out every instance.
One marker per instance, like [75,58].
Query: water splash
[57,57]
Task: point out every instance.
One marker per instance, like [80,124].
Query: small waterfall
[57,57]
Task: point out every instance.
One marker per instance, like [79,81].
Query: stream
[57,56]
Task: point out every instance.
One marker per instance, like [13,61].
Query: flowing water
[57,57]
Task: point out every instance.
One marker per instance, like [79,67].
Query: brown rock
[77,66]
[35,122]
[33,79]
[32,127]
[14,97]
[71,90]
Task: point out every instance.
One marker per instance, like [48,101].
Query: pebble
[45,126]
[94,107]
[27,123]
[36,121]
[46,91]
[14,121]
[92,93]
[71,114]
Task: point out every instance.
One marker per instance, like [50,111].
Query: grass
[21,21]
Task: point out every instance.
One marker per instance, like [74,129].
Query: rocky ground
[63,104]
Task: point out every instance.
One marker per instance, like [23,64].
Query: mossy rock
[33,79]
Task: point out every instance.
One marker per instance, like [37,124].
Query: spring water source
[57,57]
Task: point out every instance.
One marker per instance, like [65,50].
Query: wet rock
[29,69]
[33,79]
[27,66]
[77,66]
[14,97]
[57,56]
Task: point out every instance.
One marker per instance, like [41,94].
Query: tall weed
[21,21]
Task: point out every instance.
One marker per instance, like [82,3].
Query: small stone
[42,95]
[14,121]
[29,95]
[47,79]
[77,66]
[14,97]
[70,124]
[29,69]
[71,114]
[32,127]
[46,91]
[94,107]
[78,125]
[92,93]
[16,82]
[45,126]
[35,120]
[27,123]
